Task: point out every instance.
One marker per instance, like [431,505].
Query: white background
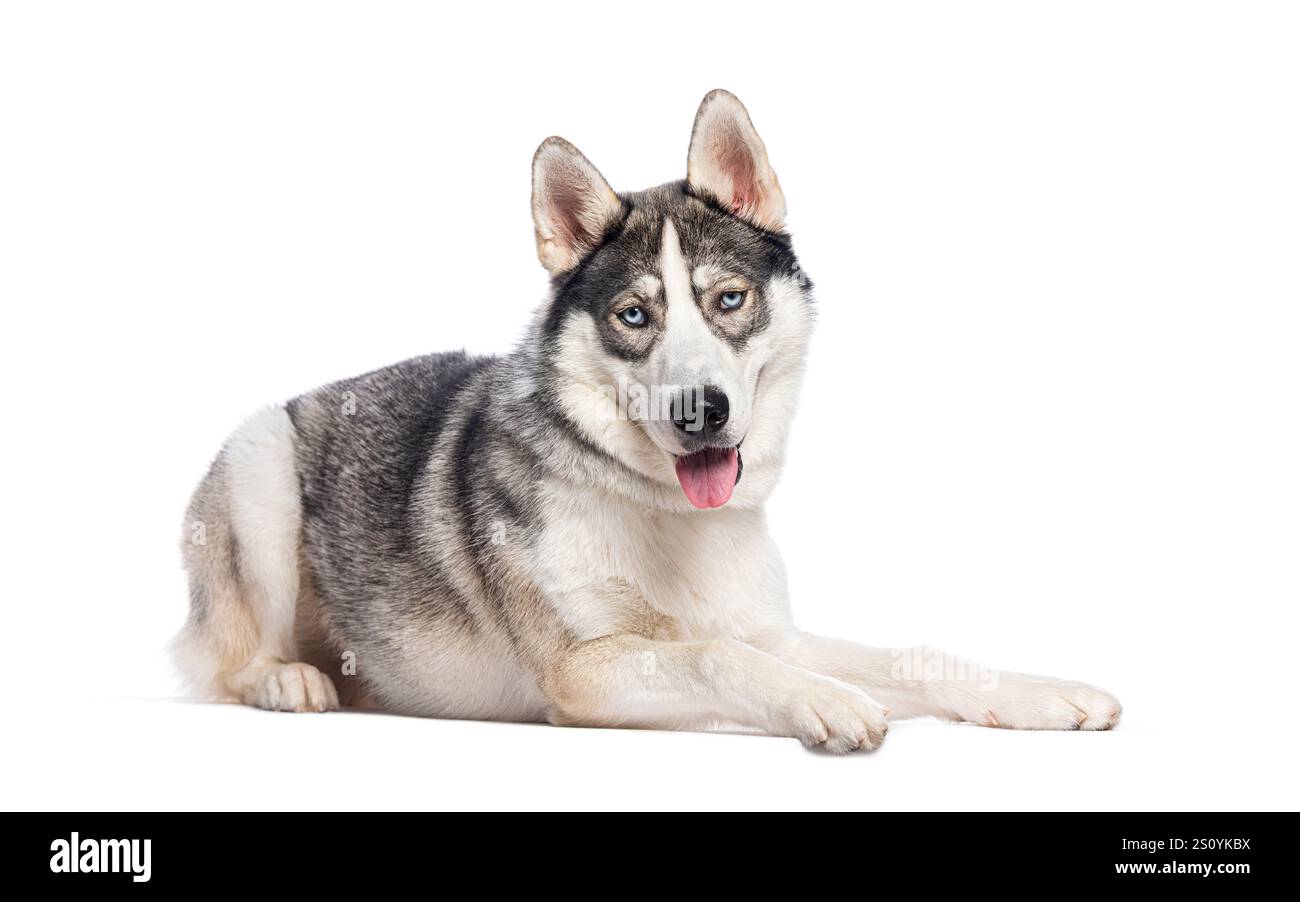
[1050,421]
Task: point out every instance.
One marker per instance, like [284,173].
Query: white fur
[265,508]
[715,574]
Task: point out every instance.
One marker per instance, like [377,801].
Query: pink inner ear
[567,209]
[734,158]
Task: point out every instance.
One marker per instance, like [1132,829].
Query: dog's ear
[728,160]
[573,205]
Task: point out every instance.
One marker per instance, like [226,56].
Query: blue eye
[633,316]
[730,300]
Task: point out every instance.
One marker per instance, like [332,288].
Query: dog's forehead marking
[647,284]
[690,348]
[673,270]
[705,275]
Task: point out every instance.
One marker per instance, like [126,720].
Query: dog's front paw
[294,687]
[1045,704]
[834,716]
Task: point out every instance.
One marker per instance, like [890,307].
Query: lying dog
[574,531]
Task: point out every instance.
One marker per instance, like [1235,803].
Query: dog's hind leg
[242,548]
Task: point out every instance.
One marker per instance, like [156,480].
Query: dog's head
[680,317]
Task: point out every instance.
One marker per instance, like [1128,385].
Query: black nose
[701,410]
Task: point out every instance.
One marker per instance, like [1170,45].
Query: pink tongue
[707,477]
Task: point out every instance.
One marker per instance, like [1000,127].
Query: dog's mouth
[709,476]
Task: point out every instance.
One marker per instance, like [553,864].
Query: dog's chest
[703,575]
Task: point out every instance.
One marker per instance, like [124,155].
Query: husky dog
[572,532]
